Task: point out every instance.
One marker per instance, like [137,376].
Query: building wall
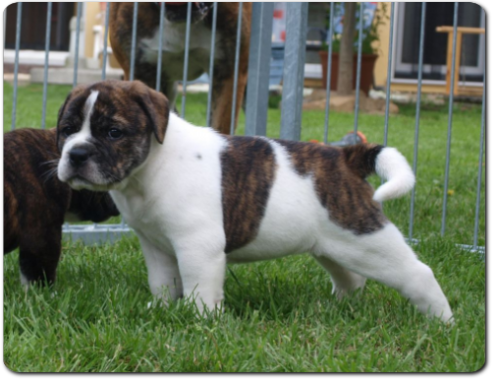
[91,19]
[381,68]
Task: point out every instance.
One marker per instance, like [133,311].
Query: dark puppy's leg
[39,254]
[222,102]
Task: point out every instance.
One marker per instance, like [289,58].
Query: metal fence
[257,91]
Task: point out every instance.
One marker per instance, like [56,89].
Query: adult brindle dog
[173,51]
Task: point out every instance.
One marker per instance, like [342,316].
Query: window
[406,42]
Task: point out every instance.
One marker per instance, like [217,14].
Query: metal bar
[211,64]
[132,62]
[389,75]
[159,48]
[259,67]
[93,235]
[449,129]
[472,249]
[359,62]
[16,64]
[104,53]
[133,41]
[106,34]
[293,70]
[328,77]
[76,49]
[418,111]
[466,247]
[45,71]
[480,160]
[237,64]
[185,62]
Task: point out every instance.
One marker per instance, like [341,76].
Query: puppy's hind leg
[344,281]
[384,256]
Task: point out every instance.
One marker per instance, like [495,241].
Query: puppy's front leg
[39,253]
[203,277]
[163,273]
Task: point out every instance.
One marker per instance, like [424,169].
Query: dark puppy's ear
[156,107]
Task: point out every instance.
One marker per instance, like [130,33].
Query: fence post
[449,128]
[418,111]
[237,65]
[293,70]
[259,66]
[16,64]
[106,34]
[45,71]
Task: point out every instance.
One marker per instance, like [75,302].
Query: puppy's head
[104,132]
[178,12]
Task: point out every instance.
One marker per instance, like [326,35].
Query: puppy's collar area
[202,7]
[168,3]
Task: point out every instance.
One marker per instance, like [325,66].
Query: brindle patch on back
[248,171]
[338,175]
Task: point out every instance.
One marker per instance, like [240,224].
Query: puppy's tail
[386,162]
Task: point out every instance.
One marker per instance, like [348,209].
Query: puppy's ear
[156,107]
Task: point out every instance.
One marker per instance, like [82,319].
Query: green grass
[279,315]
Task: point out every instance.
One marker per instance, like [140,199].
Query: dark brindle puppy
[36,202]
[121,21]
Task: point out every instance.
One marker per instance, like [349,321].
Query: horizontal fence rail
[257,92]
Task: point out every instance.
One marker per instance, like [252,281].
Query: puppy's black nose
[78,156]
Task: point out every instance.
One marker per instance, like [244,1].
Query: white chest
[173,49]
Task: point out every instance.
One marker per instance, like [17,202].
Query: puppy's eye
[115,134]
[68,131]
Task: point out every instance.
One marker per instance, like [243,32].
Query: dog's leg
[222,102]
[203,278]
[344,281]
[163,274]
[170,89]
[384,256]
[39,254]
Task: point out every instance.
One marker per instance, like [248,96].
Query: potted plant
[369,48]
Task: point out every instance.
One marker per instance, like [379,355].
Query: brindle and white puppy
[173,49]
[198,199]
[36,203]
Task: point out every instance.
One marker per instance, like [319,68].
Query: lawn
[279,315]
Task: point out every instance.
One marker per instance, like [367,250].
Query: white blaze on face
[85,133]
[78,138]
